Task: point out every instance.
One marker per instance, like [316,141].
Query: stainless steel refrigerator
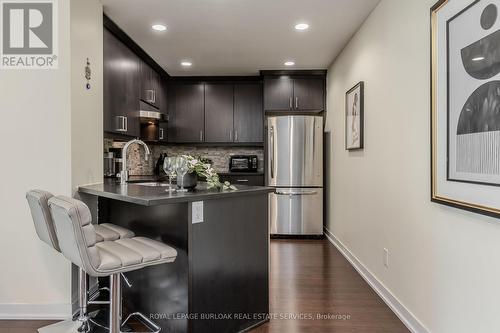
[295,169]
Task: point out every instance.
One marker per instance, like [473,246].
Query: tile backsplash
[219,156]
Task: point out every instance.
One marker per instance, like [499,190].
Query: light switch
[197,212]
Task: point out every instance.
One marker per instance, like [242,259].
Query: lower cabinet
[250,179]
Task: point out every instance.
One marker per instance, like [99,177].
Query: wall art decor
[466,104]
[354,117]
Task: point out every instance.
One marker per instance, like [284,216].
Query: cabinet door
[162,95]
[150,85]
[278,94]
[162,131]
[187,113]
[309,94]
[219,112]
[121,87]
[248,113]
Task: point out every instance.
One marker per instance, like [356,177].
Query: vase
[190,180]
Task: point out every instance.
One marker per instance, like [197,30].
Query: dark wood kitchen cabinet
[186,113]
[219,112]
[150,85]
[278,93]
[121,81]
[243,179]
[248,114]
[294,93]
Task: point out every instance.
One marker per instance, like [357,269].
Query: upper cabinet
[219,112]
[216,112]
[248,114]
[278,93]
[121,87]
[186,113]
[150,85]
[294,93]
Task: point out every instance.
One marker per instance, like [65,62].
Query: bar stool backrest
[74,229]
[38,201]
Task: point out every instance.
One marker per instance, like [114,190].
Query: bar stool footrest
[148,323]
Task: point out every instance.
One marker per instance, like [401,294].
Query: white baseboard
[410,321]
[35,311]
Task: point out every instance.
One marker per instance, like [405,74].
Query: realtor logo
[28,34]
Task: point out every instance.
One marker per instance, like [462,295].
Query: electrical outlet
[386,258]
[197,212]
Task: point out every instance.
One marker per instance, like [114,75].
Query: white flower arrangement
[203,169]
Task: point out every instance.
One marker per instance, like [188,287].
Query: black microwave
[243,163]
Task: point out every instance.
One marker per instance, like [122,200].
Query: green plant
[205,170]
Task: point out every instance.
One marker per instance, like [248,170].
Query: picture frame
[354,117]
[465,91]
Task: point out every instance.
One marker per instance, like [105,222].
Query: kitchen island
[219,281]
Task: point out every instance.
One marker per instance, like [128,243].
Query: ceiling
[239,37]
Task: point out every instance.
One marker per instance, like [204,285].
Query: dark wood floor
[308,278]
[313,278]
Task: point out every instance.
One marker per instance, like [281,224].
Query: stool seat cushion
[128,252]
[78,243]
[111,232]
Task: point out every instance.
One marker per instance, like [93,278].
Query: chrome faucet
[124,172]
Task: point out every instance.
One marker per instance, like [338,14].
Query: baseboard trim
[35,311]
[408,319]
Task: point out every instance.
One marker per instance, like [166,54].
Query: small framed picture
[354,117]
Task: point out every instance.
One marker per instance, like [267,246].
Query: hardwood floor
[308,278]
[312,278]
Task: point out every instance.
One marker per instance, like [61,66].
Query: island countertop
[145,195]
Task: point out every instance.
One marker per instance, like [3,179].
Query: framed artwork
[354,117]
[465,69]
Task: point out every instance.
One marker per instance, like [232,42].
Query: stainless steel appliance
[109,164]
[295,169]
[243,163]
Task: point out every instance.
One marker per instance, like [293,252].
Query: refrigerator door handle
[296,193]
[272,151]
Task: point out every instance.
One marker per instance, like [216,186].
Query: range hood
[148,113]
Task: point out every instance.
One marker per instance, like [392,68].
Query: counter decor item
[197,167]
[465,105]
[354,117]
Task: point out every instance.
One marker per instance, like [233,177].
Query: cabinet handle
[201,135]
[120,125]
[125,122]
[235,135]
[230,135]
[296,102]
[161,133]
[154,96]
[290,104]
[242,180]
[150,96]
[272,151]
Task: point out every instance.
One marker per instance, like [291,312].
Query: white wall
[40,112]
[444,263]
[86,105]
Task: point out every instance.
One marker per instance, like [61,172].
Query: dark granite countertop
[157,195]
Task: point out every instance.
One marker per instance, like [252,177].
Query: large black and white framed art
[466,104]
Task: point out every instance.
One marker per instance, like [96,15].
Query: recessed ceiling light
[186,63]
[289,63]
[159,27]
[477,58]
[302,26]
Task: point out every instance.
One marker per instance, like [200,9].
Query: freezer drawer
[296,211]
